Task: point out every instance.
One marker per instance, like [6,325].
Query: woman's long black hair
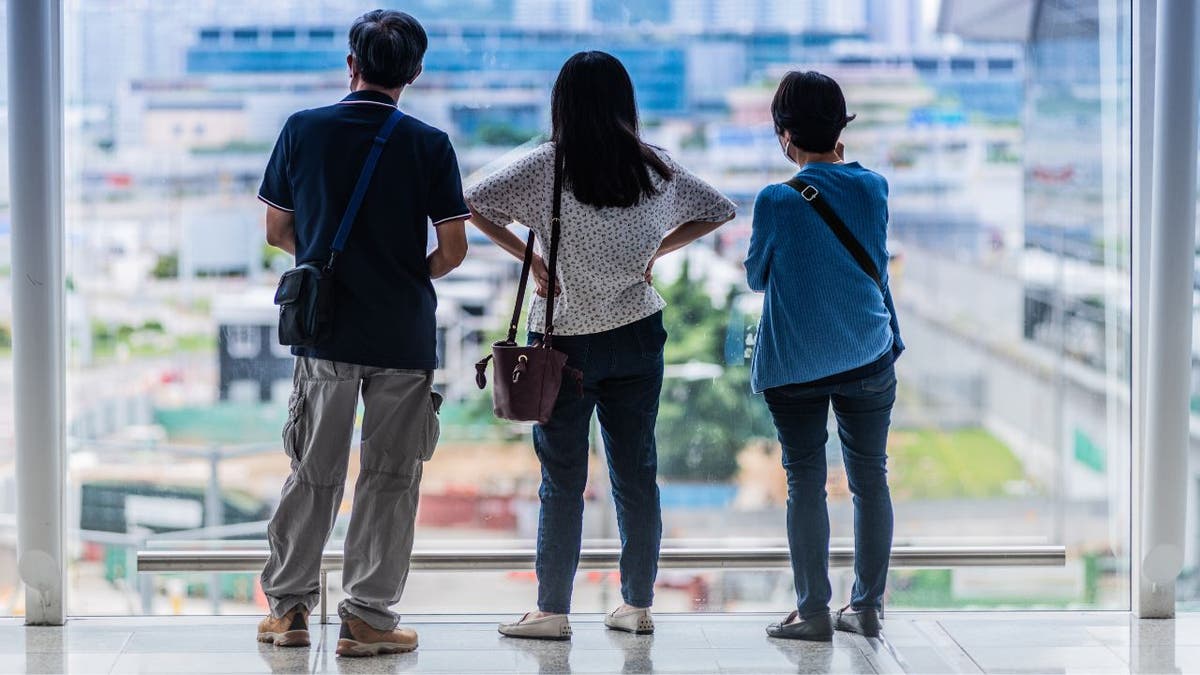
[594,124]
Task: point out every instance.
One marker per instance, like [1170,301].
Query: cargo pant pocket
[293,428]
[433,426]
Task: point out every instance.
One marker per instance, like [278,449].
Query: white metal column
[1148,599]
[1168,345]
[35,174]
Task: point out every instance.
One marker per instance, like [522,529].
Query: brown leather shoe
[359,639]
[289,630]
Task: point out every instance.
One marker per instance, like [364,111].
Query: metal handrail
[252,560]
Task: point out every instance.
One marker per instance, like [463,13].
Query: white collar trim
[386,105]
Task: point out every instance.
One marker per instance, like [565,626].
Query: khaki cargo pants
[399,432]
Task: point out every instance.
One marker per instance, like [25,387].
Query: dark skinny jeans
[863,409]
[623,373]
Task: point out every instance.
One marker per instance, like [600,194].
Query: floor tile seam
[866,657]
[197,652]
[1111,650]
[869,653]
[963,650]
[125,643]
[599,616]
[859,644]
[577,650]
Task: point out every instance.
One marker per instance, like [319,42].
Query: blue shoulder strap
[360,188]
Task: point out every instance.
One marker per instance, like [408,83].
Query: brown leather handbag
[528,379]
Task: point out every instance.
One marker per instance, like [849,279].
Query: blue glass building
[673,73]
[471,57]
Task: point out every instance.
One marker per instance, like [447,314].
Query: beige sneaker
[549,627]
[358,638]
[636,620]
[289,630]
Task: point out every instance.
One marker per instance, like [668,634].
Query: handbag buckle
[520,368]
[809,193]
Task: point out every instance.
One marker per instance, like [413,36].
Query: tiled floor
[914,642]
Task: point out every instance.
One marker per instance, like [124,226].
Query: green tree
[167,266]
[704,423]
[275,259]
[696,139]
[696,327]
[503,135]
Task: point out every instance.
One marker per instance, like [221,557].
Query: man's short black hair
[388,47]
[810,106]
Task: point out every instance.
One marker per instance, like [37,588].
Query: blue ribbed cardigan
[822,314]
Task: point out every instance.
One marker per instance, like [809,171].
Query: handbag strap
[360,188]
[525,266]
[552,266]
[843,233]
[555,225]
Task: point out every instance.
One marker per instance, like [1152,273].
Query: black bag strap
[555,228]
[843,233]
[552,265]
[525,266]
[360,188]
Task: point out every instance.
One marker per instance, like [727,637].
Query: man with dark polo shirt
[382,342]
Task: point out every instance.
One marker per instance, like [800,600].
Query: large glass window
[12,597]
[1008,165]
[1189,581]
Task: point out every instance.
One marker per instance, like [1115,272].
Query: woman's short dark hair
[388,47]
[811,108]
[594,124]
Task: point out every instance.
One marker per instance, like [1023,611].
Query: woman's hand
[541,278]
[650,271]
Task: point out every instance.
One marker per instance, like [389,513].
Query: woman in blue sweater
[828,335]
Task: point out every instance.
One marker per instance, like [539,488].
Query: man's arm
[281,229]
[451,247]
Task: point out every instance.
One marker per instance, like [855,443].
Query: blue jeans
[623,372]
[863,409]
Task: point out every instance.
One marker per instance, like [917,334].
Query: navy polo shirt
[384,298]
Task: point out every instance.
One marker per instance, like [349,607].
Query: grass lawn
[965,463]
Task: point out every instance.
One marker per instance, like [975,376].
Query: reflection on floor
[914,642]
